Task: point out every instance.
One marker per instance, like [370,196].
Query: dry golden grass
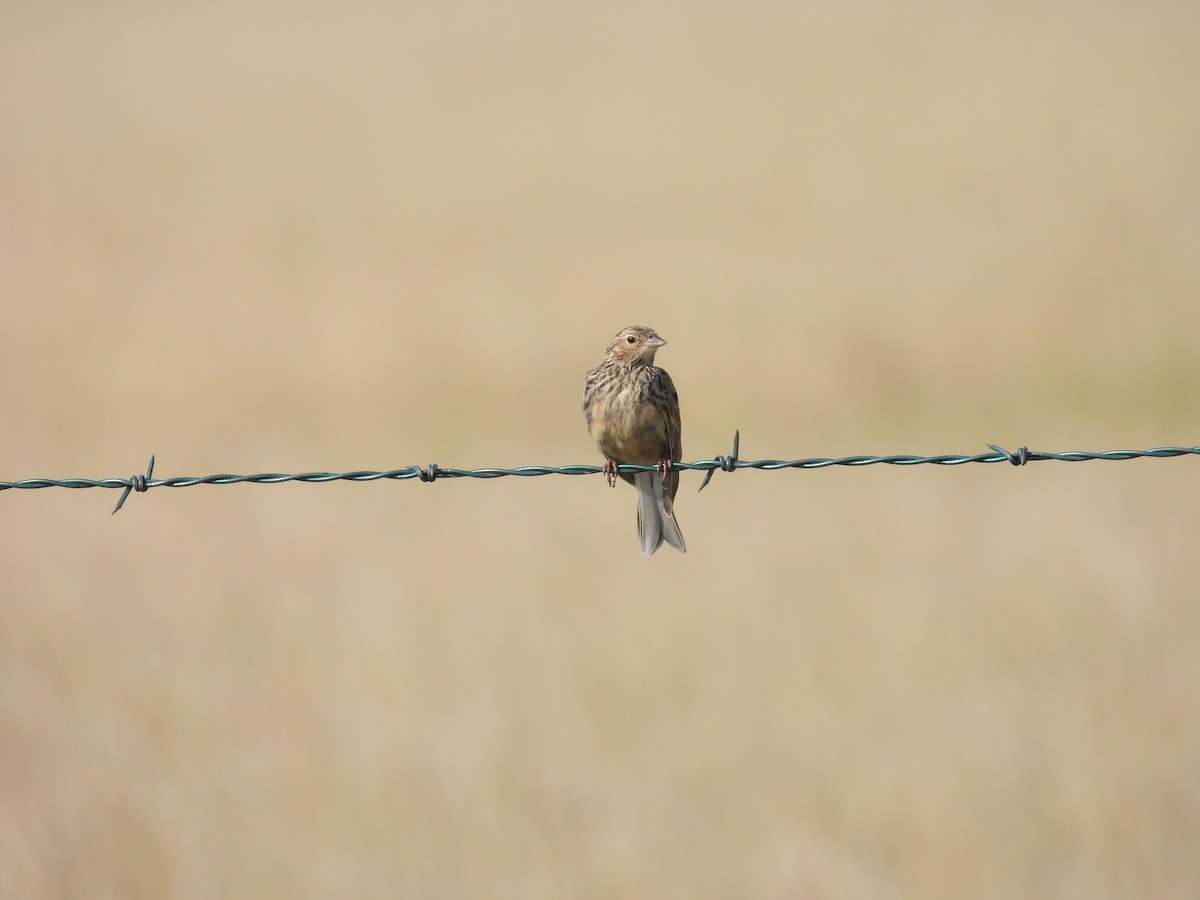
[284,239]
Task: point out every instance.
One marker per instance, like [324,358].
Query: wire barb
[725,463]
[428,474]
[136,483]
[1018,459]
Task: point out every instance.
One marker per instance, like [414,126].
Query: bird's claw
[664,467]
[610,472]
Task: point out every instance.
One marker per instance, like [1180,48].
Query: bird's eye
[630,339]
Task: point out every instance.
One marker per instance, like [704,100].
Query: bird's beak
[655,342]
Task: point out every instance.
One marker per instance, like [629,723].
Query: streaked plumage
[632,412]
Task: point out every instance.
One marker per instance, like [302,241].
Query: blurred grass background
[286,238]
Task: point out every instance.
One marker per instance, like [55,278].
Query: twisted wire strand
[433,472]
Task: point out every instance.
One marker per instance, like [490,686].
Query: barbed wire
[433,472]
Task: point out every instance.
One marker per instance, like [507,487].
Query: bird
[632,412]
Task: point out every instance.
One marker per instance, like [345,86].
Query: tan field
[286,238]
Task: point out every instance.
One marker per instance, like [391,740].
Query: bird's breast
[627,427]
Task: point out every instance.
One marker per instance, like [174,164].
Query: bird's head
[635,345]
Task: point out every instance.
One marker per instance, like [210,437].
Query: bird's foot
[610,472]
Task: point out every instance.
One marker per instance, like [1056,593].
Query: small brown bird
[632,413]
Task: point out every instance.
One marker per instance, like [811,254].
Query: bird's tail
[656,515]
